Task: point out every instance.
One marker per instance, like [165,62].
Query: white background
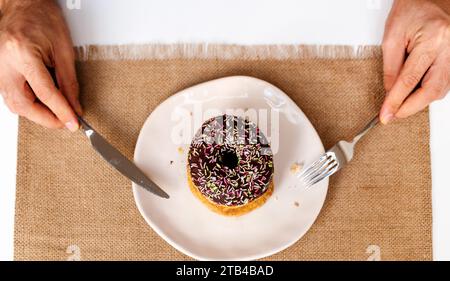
[349,22]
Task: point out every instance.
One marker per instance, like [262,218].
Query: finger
[393,59]
[67,77]
[41,115]
[41,82]
[412,72]
[23,102]
[434,87]
[394,51]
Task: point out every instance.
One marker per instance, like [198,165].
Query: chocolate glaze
[230,161]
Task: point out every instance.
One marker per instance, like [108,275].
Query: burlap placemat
[72,205]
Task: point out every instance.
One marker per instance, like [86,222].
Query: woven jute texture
[72,205]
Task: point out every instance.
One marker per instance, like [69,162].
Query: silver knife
[119,161]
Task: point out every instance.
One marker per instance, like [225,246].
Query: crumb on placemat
[180,149]
[296,204]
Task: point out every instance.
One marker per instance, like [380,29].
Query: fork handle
[366,129]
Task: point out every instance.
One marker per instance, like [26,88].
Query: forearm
[444,4]
[4,4]
[18,8]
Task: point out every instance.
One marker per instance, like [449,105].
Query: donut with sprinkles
[230,165]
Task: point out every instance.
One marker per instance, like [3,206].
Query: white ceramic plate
[183,221]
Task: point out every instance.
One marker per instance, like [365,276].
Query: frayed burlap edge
[221,51]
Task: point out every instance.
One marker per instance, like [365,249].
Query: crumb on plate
[296,167]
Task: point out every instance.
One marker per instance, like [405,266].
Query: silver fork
[334,159]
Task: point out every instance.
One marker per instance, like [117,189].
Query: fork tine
[331,169]
[318,170]
[315,172]
[328,174]
[312,167]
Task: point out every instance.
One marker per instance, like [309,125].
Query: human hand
[416,57]
[33,38]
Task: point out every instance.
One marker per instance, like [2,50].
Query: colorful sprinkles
[220,181]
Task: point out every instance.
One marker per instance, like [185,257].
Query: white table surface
[349,22]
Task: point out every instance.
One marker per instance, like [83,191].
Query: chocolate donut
[230,165]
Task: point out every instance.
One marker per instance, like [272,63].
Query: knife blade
[116,159]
